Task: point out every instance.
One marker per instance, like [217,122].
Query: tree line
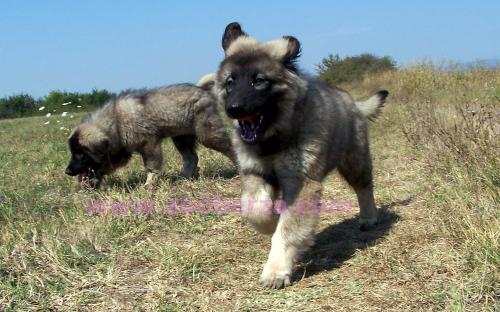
[23,105]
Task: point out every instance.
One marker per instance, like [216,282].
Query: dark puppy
[292,131]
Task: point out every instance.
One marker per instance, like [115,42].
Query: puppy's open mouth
[88,180]
[251,128]
[82,179]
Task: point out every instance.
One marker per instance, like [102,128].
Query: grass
[436,171]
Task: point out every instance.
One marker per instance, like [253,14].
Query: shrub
[17,106]
[336,70]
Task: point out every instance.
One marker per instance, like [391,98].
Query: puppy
[137,123]
[291,131]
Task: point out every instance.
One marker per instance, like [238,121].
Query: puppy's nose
[69,171]
[235,110]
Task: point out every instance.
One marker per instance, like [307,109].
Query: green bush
[87,101]
[336,70]
[17,106]
[23,105]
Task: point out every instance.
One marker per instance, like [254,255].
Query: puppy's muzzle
[69,171]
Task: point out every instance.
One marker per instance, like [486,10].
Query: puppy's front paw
[150,179]
[196,174]
[275,275]
[367,224]
[193,173]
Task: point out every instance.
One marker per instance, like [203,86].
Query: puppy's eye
[260,82]
[229,84]
[229,80]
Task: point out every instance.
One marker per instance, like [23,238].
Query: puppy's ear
[74,144]
[231,33]
[292,53]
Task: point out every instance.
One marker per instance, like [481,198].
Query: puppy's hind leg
[357,171]
[186,145]
[367,208]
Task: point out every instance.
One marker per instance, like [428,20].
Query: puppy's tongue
[249,122]
[251,118]
[250,128]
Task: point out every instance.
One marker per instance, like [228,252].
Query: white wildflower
[79,106]
[46,123]
[41,108]
[62,128]
[64,114]
[48,115]
[71,116]
[67,103]
[58,121]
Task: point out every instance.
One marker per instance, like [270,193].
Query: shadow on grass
[226,172]
[133,181]
[338,242]
[136,180]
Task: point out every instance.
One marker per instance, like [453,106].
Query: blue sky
[80,45]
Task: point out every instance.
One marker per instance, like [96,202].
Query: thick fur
[304,130]
[138,122]
[207,82]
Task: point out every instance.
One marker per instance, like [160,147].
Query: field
[437,175]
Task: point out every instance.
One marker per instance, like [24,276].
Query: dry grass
[452,121]
[437,179]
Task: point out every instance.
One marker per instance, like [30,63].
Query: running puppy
[291,132]
[138,122]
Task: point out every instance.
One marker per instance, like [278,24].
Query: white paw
[275,275]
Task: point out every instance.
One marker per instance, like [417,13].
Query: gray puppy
[138,122]
[291,132]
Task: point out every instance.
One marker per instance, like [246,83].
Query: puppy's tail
[372,107]
[207,82]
